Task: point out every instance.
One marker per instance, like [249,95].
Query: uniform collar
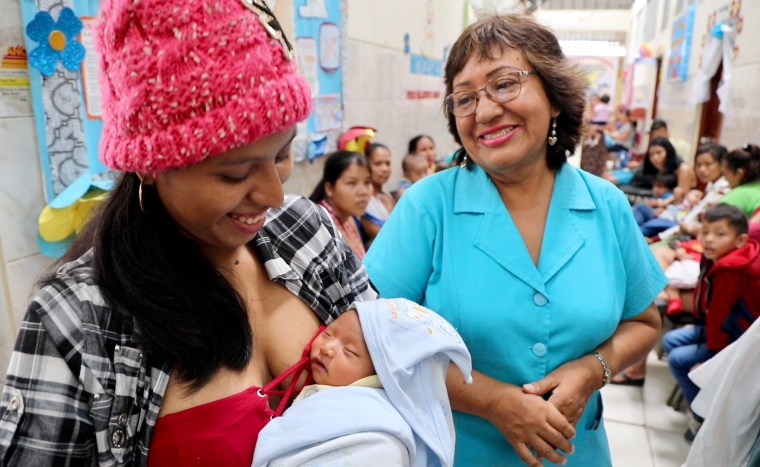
[476,193]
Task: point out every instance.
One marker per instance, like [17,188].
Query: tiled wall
[21,198]
[375,89]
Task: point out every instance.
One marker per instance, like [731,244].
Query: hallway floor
[643,430]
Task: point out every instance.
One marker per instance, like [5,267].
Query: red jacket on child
[727,296]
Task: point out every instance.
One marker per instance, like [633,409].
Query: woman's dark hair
[335,164]
[747,158]
[717,151]
[731,214]
[564,84]
[372,147]
[187,312]
[415,141]
[672,161]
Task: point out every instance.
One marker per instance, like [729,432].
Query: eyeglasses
[501,89]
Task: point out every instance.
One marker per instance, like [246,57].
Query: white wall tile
[7,327]
[21,193]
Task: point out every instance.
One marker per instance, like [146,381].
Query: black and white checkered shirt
[79,389]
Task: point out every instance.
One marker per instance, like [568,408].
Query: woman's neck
[340,215]
[525,190]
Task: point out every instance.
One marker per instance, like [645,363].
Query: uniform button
[539,350]
[539,299]
[96,397]
[15,403]
[117,438]
[117,349]
[123,419]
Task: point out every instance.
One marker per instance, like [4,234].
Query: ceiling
[533,5]
[585,4]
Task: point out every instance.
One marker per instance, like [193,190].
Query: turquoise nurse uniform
[451,245]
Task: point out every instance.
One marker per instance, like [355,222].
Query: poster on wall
[329,47]
[15,98]
[680,46]
[68,137]
[601,73]
[320,25]
[328,112]
[306,54]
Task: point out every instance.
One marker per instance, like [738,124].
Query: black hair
[335,164]
[747,158]
[716,150]
[372,147]
[670,181]
[658,124]
[148,270]
[415,141]
[731,214]
[605,98]
[672,161]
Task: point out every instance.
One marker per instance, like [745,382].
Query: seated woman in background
[741,167]
[345,190]
[381,203]
[424,146]
[707,167]
[661,159]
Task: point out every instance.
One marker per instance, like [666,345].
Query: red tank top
[222,432]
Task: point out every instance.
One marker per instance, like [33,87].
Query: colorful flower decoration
[67,214]
[356,138]
[58,41]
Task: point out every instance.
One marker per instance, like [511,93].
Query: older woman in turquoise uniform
[540,266]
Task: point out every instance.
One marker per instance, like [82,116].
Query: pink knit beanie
[185,80]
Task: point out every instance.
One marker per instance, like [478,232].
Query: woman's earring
[139,197]
[463,164]
[553,137]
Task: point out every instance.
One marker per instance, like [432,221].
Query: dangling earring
[553,137]
[463,164]
[140,194]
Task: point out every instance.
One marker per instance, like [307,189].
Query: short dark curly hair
[564,84]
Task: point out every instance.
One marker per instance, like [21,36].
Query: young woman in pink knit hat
[166,333]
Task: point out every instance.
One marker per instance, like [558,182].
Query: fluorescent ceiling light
[592,48]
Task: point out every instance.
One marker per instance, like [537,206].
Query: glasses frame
[520,73]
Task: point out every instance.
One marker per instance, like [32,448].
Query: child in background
[647,213]
[727,297]
[415,167]
[380,372]
[678,212]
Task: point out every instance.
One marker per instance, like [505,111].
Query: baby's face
[339,356]
[693,196]
[417,171]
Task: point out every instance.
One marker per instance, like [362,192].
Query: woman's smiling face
[501,137]
[222,202]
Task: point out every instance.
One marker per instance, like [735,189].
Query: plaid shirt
[79,389]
